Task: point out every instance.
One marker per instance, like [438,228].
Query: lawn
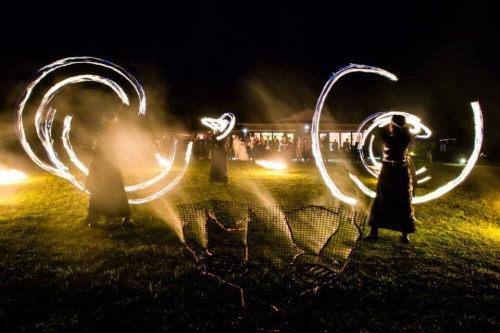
[58,276]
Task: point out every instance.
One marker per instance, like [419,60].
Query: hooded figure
[392,207]
[218,168]
[105,181]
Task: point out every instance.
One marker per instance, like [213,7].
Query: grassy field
[58,276]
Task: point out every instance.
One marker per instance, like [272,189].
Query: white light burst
[223,125]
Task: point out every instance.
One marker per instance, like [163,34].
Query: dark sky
[253,59]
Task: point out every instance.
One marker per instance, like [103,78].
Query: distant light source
[245,130]
[306,127]
[11,176]
[463,161]
[271,165]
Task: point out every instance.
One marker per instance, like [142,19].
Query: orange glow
[271,165]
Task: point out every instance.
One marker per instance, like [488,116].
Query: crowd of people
[256,147]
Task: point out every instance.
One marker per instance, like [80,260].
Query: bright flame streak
[420,181]
[271,165]
[220,125]
[478,141]
[376,164]
[167,163]
[421,170]
[11,176]
[316,119]
[362,186]
[69,148]
[383,119]
[43,132]
[171,185]
[163,162]
[43,128]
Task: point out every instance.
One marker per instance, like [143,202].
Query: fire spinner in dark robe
[392,207]
[105,181]
[218,168]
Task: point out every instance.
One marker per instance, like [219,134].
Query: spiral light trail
[383,119]
[45,116]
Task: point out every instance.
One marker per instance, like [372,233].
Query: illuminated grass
[58,276]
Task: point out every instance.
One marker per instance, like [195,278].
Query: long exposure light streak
[172,184]
[316,120]
[478,140]
[383,119]
[43,123]
[221,125]
[167,163]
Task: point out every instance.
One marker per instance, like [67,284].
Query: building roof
[297,121]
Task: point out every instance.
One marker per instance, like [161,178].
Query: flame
[220,125]
[163,161]
[11,176]
[271,165]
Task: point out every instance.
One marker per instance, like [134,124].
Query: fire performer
[218,168]
[105,181]
[392,207]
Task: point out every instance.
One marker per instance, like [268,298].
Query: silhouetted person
[392,207]
[105,181]
[218,168]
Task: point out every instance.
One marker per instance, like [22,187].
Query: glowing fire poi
[45,116]
[221,125]
[382,119]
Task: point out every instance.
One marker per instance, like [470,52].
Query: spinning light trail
[478,121]
[383,119]
[45,114]
[317,115]
[221,125]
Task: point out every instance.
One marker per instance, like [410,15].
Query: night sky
[265,61]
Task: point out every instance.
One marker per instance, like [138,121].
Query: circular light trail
[383,119]
[221,125]
[45,116]
[317,115]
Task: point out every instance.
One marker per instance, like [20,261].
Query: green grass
[58,276]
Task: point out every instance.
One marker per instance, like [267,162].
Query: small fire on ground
[271,165]
[11,176]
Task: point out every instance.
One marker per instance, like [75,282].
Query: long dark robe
[218,168]
[105,181]
[392,207]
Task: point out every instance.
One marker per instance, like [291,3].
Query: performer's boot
[372,235]
[128,223]
[92,219]
[405,238]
